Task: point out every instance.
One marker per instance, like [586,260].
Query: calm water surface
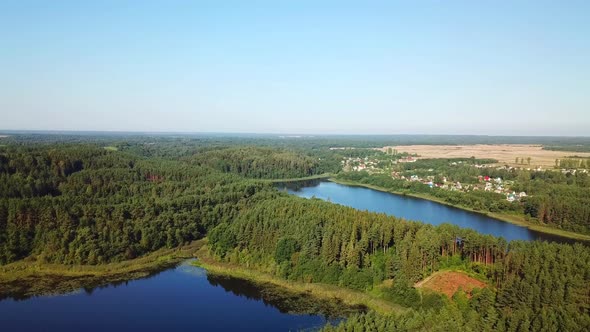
[184,298]
[413,209]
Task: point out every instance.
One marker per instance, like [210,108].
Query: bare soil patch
[449,282]
[506,154]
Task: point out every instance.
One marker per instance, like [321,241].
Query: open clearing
[506,154]
[448,282]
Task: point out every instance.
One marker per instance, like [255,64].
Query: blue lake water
[412,208]
[184,298]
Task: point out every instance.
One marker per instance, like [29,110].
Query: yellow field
[504,153]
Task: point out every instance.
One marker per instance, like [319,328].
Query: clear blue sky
[359,67]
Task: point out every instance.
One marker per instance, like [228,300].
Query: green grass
[111,148]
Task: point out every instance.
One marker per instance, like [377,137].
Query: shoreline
[512,219]
[26,278]
[320,291]
[311,177]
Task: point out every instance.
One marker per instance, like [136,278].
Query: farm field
[506,154]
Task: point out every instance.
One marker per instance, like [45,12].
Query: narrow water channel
[412,208]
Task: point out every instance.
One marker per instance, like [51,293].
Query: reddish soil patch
[450,282]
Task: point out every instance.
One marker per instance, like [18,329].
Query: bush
[286,247]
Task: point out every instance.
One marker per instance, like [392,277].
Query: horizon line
[229,133]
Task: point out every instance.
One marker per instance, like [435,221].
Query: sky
[297,67]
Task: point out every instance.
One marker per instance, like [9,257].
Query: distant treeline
[582,146]
[576,144]
[261,163]
[570,162]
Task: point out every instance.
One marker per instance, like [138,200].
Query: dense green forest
[533,284]
[261,163]
[85,205]
[75,202]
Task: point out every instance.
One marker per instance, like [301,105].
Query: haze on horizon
[339,67]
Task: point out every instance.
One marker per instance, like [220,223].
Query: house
[510,198]
[407,160]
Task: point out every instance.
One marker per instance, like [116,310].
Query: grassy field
[510,218]
[506,154]
[27,277]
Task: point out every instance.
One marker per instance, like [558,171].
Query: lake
[412,208]
[184,298]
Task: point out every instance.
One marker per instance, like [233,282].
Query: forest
[87,205]
[74,202]
[533,284]
[261,163]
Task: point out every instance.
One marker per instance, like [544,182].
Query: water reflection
[285,301]
[184,298]
[57,285]
[412,208]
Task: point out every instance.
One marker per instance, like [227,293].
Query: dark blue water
[179,299]
[415,209]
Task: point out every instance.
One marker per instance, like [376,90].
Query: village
[391,162]
[483,182]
